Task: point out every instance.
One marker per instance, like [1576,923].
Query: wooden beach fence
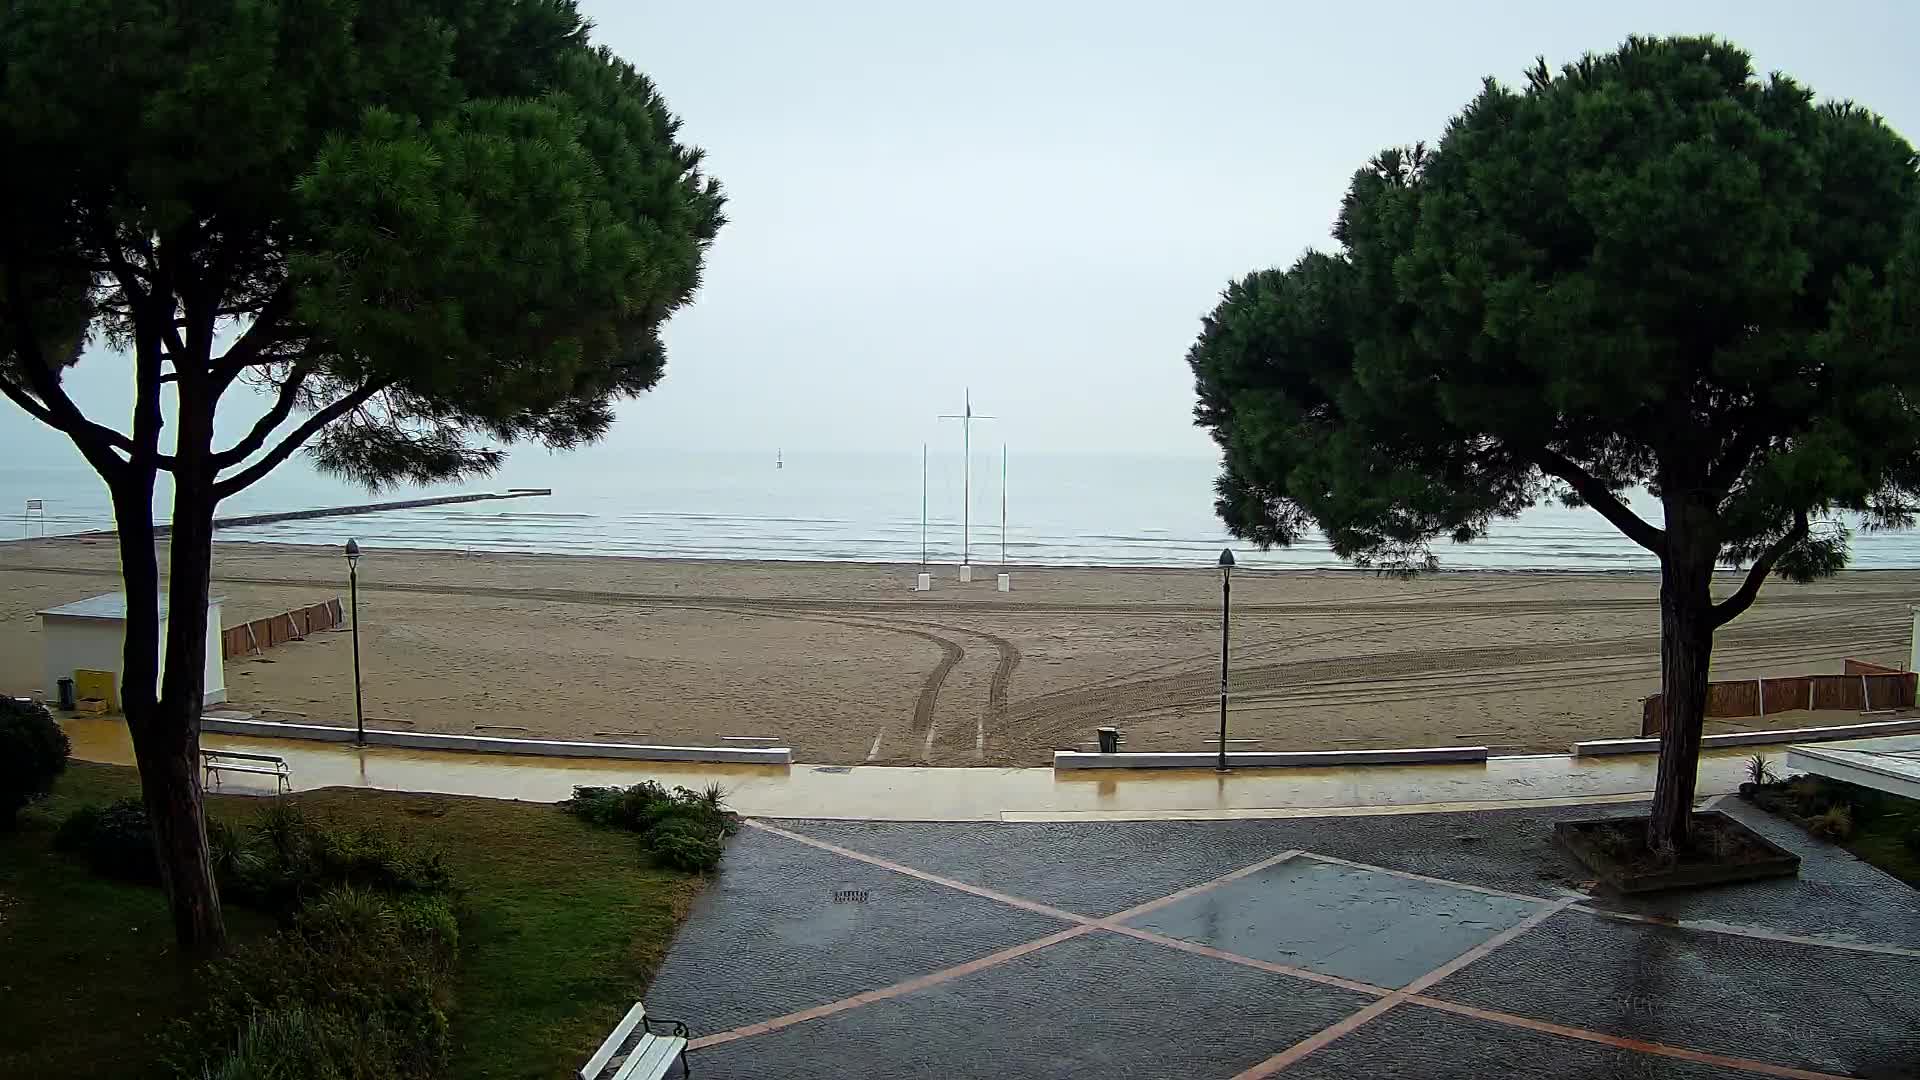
[1865,687]
[253,638]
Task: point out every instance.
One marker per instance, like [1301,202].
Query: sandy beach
[845,664]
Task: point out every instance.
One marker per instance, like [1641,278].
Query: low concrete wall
[1754,738]
[1257,759]
[424,740]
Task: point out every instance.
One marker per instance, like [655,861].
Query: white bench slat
[591,1070]
[264,770]
[652,1058]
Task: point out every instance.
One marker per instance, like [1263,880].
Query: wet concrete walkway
[1316,923]
[966,794]
[1456,945]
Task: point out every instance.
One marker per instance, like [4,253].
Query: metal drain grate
[850,896]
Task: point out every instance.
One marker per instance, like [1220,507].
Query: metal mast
[966,419]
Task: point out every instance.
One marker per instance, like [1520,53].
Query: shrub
[33,751]
[1835,824]
[115,840]
[358,974]
[296,1043]
[681,829]
[232,852]
[76,829]
[290,858]
[684,844]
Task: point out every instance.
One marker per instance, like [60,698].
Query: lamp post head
[1226,558]
[353,552]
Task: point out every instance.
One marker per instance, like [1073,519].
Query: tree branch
[33,408]
[1739,452]
[241,480]
[1596,495]
[246,352]
[1727,610]
[263,427]
[96,441]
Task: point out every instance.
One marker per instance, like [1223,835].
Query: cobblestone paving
[1446,945]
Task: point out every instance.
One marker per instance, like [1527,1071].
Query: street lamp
[1226,607]
[353,591]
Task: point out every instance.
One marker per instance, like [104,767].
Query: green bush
[287,858]
[358,973]
[684,844]
[681,829]
[76,829]
[33,751]
[290,1044]
[1835,824]
[115,840]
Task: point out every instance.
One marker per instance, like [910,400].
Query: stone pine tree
[1650,269]
[395,235]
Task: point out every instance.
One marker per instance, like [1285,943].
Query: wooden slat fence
[1865,687]
[252,638]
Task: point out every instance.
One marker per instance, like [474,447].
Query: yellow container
[98,685]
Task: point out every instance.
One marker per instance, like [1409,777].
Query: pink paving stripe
[897,989]
[1637,1045]
[1487,946]
[1247,961]
[1195,890]
[1387,999]
[1756,932]
[1083,925]
[871,860]
[1422,877]
[1327,1035]
[1319,1039]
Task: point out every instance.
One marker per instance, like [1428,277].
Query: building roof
[1890,764]
[111,607]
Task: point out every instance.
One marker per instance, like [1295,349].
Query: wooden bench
[622,1057]
[215,762]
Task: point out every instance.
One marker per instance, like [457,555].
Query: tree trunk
[1686,651]
[166,744]
[183,844]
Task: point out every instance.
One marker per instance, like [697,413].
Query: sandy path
[845,664]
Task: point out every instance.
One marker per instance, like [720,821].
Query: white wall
[71,644]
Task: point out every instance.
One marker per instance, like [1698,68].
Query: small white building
[90,635]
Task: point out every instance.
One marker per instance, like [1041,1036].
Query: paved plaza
[1423,945]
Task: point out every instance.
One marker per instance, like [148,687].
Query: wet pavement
[1444,945]
[882,793]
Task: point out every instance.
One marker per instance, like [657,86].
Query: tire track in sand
[951,653]
[993,717]
[1051,715]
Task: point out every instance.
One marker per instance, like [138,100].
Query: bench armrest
[679,1026]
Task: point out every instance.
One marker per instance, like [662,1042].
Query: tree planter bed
[1724,851]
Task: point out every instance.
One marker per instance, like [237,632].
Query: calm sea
[1061,509]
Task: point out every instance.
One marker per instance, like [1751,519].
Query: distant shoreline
[985,567]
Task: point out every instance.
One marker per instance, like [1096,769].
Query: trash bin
[66,695]
[1109,740]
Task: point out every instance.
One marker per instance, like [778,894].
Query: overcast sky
[1039,200]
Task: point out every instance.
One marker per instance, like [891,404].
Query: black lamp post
[1226,607]
[353,591]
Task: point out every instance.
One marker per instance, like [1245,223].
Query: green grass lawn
[561,926]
